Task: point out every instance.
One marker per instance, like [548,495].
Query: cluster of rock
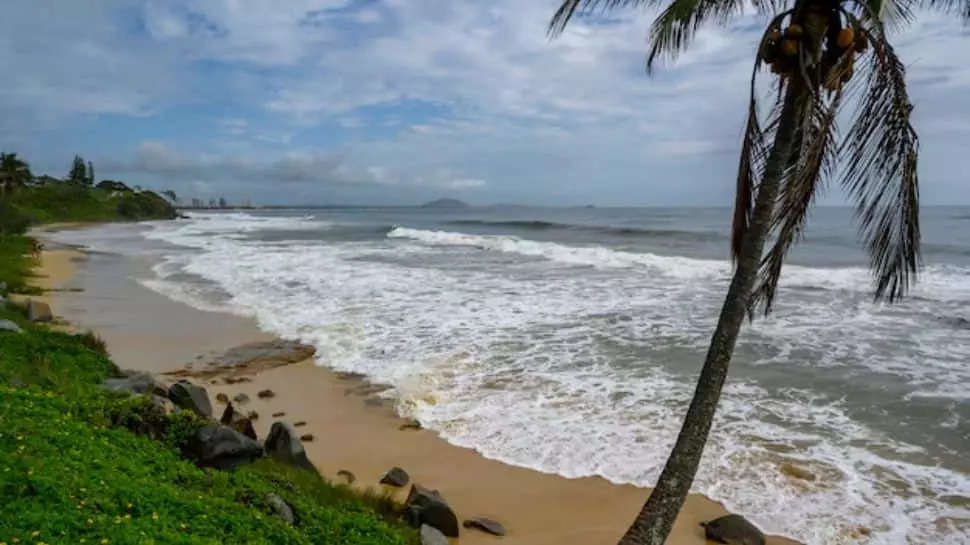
[36,312]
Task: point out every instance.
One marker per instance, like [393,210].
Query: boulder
[396,477]
[222,447]
[235,420]
[186,395]
[306,437]
[279,414]
[425,506]
[733,530]
[432,536]
[283,444]
[240,398]
[486,525]
[163,404]
[137,383]
[266,394]
[222,398]
[282,509]
[38,311]
[7,325]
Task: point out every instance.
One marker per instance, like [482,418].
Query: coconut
[774,35]
[789,48]
[861,40]
[846,37]
[769,51]
[794,31]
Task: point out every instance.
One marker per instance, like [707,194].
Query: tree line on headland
[26,199]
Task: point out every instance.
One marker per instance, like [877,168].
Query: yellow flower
[154,516]
[130,506]
[104,541]
[35,533]
[90,521]
[182,525]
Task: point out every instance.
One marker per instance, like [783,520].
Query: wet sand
[352,430]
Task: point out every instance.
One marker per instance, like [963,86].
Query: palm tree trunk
[656,519]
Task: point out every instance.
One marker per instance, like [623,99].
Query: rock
[306,437]
[432,536]
[797,472]
[486,525]
[236,380]
[265,394]
[283,445]
[137,383]
[279,414]
[410,425]
[299,424]
[263,355]
[222,398]
[425,506]
[38,311]
[186,395]
[253,415]
[240,398]
[733,530]
[396,477]
[163,404]
[283,510]
[238,422]
[222,447]
[346,474]
[7,325]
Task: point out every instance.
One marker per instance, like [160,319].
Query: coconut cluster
[781,51]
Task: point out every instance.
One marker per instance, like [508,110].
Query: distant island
[445,203]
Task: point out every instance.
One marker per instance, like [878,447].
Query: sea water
[569,339]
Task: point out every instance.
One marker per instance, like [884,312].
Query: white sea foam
[538,365]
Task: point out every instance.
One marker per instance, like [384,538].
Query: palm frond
[961,7]
[569,7]
[675,27]
[881,174]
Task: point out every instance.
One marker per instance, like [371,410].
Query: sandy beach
[353,430]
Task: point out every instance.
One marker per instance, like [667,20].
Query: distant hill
[445,203]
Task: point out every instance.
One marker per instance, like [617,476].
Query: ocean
[568,340]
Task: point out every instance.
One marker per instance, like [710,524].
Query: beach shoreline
[353,429]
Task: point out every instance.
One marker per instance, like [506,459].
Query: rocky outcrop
[221,447]
[38,311]
[136,384]
[432,536]
[396,477]
[188,396]
[282,509]
[8,326]
[235,420]
[283,445]
[249,358]
[733,530]
[425,506]
[486,525]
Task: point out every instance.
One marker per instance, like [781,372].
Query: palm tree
[14,173]
[824,54]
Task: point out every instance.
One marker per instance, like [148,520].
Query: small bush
[94,342]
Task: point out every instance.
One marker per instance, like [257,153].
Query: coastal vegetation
[823,55]
[78,466]
[26,199]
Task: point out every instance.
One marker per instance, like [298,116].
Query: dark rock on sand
[306,437]
[235,420]
[222,398]
[283,444]
[279,414]
[222,447]
[396,477]
[733,530]
[236,380]
[259,356]
[186,395]
[282,509]
[7,325]
[486,525]
[425,506]
[38,311]
[410,425]
[346,474]
[137,383]
[299,424]
[266,394]
[432,536]
[240,398]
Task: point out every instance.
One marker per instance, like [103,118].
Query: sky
[403,101]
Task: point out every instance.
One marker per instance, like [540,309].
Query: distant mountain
[445,203]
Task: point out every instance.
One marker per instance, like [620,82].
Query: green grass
[16,261]
[72,202]
[73,470]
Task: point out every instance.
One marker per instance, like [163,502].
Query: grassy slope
[70,202]
[72,472]
[15,262]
